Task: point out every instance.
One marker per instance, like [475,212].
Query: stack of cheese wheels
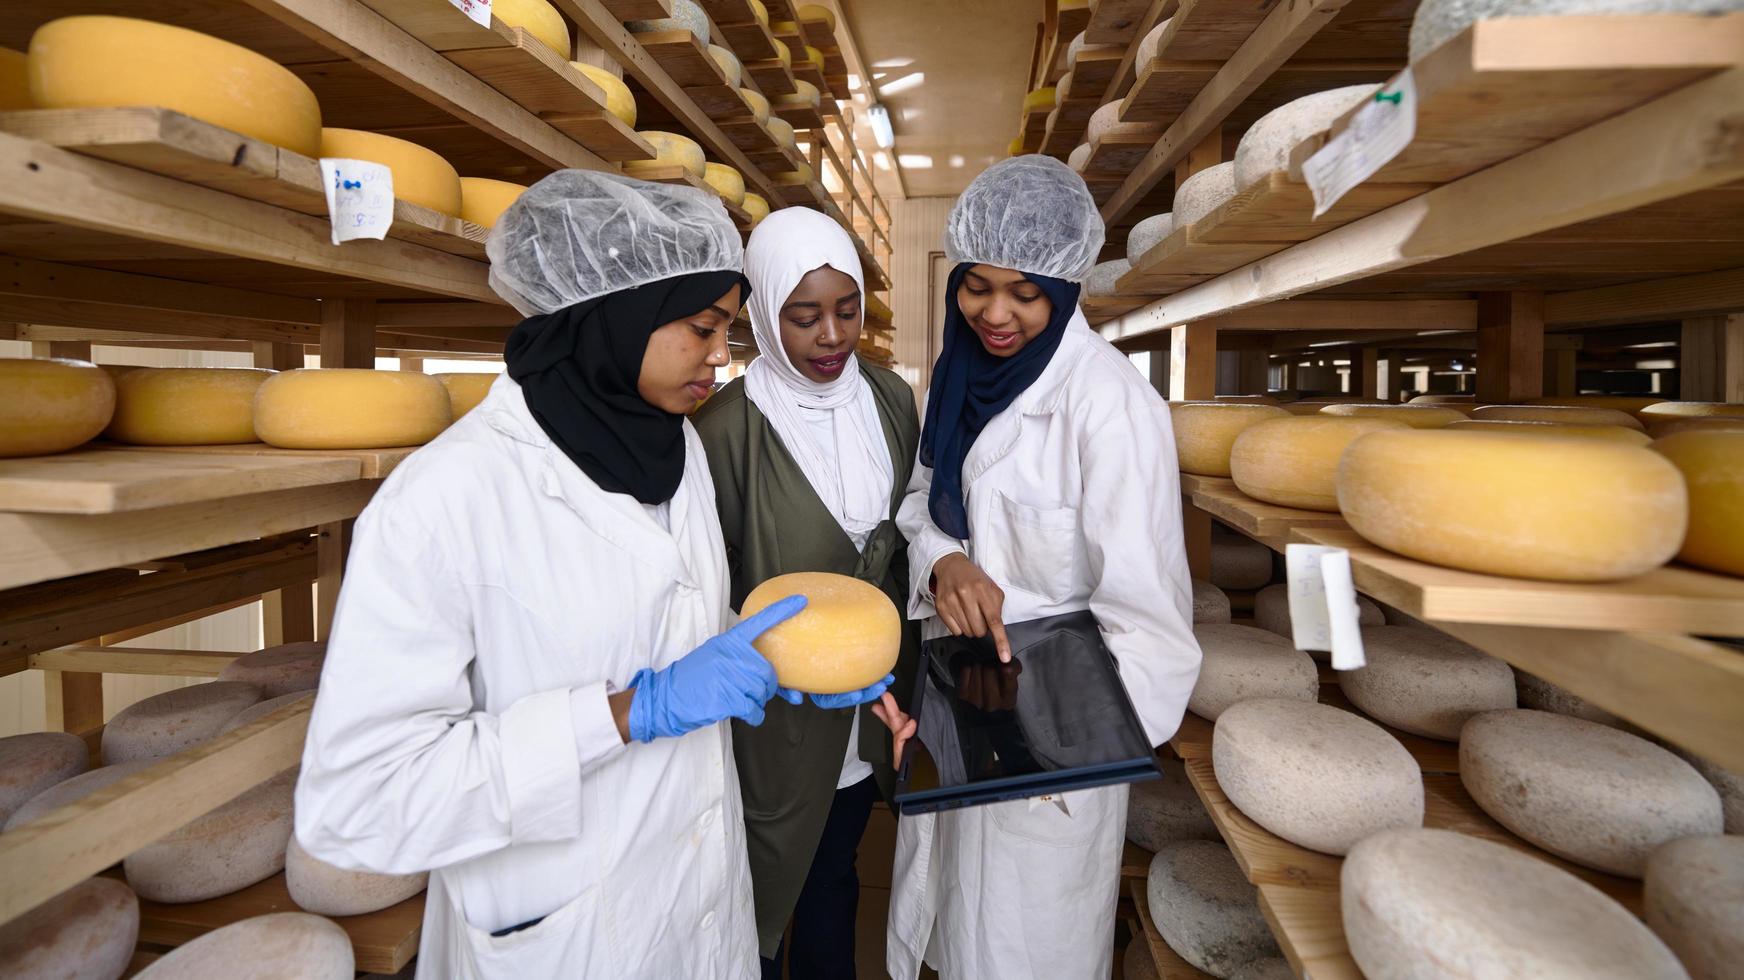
[420,176]
[14,80]
[817,11]
[619,101]
[1267,144]
[466,390]
[1556,430]
[1712,464]
[727,182]
[537,18]
[1205,432]
[103,62]
[1293,461]
[1565,509]
[1415,416]
[846,638]
[758,105]
[350,408]
[804,94]
[52,405]
[1203,193]
[483,200]
[756,206]
[1633,404]
[670,150]
[1571,414]
[687,15]
[731,68]
[185,406]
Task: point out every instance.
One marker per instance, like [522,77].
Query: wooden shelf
[1115,21]
[800,117]
[772,77]
[749,39]
[678,175]
[816,32]
[1269,523]
[373,464]
[1066,126]
[119,480]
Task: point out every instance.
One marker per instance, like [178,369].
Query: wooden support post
[589,53]
[412,364]
[1560,371]
[74,701]
[1196,527]
[1711,359]
[1287,375]
[1367,364]
[1252,372]
[347,340]
[1208,154]
[286,615]
[78,350]
[1392,376]
[1192,362]
[1510,347]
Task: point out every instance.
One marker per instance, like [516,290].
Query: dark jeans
[820,944]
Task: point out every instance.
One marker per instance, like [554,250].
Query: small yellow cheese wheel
[1015,147]
[51,405]
[760,11]
[1041,98]
[537,18]
[483,200]
[1415,416]
[185,406]
[1311,407]
[846,638]
[759,105]
[815,11]
[670,150]
[465,390]
[420,176]
[1573,510]
[350,408]
[729,64]
[757,206]
[782,130]
[1571,414]
[814,56]
[1441,399]
[727,182]
[1559,430]
[782,54]
[619,101]
[1247,399]
[1660,428]
[1693,410]
[1712,464]
[14,80]
[1633,404]
[100,62]
[785,28]
[1293,461]
[804,93]
[1205,432]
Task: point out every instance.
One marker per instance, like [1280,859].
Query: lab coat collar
[1041,398]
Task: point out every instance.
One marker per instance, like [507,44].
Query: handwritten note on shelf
[360,198]
[1381,129]
[478,10]
[1323,610]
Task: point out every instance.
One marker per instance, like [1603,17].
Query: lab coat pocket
[559,945]
[1046,821]
[1041,548]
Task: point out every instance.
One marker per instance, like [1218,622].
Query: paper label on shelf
[1323,610]
[360,198]
[478,10]
[1383,127]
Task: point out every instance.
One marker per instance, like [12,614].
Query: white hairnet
[1030,213]
[579,234]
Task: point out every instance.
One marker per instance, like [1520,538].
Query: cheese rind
[1041,98]
[537,18]
[1633,404]
[670,150]
[1693,898]
[815,11]
[1571,414]
[1693,410]
[729,63]
[1415,416]
[726,181]
[1293,461]
[1205,432]
[846,638]
[185,406]
[804,93]
[1712,464]
[350,408]
[51,405]
[619,101]
[421,176]
[757,206]
[1554,430]
[87,932]
[282,944]
[466,390]
[758,104]
[483,200]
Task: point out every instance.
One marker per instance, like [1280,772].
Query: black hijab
[971,386]
[578,368]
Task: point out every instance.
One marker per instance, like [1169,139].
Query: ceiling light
[878,118]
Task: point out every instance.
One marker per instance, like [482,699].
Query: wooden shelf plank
[133,660]
[800,117]
[1066,126]
[1115,21]
[1219,497]
[116,480]
[772,77]
[749,39]
[816,32]
[374,464]
[1169,964]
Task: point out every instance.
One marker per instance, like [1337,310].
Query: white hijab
[852,474]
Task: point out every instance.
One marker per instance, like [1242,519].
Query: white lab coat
[490,578]
[1074,503]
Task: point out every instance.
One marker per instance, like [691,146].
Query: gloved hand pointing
[724,678]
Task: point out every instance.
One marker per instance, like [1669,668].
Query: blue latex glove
[724,678]
[853,699]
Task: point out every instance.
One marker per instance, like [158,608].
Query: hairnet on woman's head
[579,234]
[1030,213]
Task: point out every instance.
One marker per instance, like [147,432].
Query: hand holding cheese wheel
[483,200]
[1573,414]
[51,405]
[1293,461]
[1558,509]
[846,639]
[1712,464]
[1206,431]
[420,176]
[1415,416]
[350,408]
[185,406]
[466,390]
[1555,430]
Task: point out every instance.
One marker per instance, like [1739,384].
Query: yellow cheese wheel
[1693,410]
[537,18]
[350,408]
[619,101]
[483,200]
[115,371]
[782,54]
[814,56]
[727,182]
[1574,510]
[1571,414]
[729,64]
[1247,399]
[1441,399]
[671,150]
[420,175]
[783,132]
[1205,431]
[465,390]
[785,28]
[846,638]
[760,11]
[14,80]
[185,406]
[1041,98]
[759,105]
[817,11]
[757,206]
[804,93]
[1633,404]
[1293,461]
[98,62]
[51,405]
[1558,430]
[1415,416]
[1660,428]
[1712,464]
[1015,147]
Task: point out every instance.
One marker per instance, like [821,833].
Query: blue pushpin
[352,185]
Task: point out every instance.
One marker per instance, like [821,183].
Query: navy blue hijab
[971,386]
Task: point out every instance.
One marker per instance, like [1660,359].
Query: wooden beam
[1560,372]
[1510,347]
[170,622]
[1192,363]
[1348,314]
[137,294]
[1711,359]
[1367,368]
[76,350]
[1703,293]
[133,660]
[1252,372]
[414,317]
[1208,154]
[1391,383]
[348,334]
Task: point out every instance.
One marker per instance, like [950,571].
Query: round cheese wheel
[1293,461]
[1693,896]
[1442,399]
[537,18]
[1205,432]
[760,11]
[483,200]
[804,93]
[1104,277]
[727,182]
[1210,603]
[1203,193]
[1660,427]
[1415,416]
[74,789]
[1442,904]
[1239,563]
[815,56]
[1241,663]
[350,408]
[1078,159]
[846,638]
[1572,414]
[185,406]
[732,70]
[14,80]
[1151,45]
[1102,120]
[758,105]
[782,130]
[87,931]
[1041,98]
[261,709]
[1205,909]
[94,62]
[1162,811]
[619,101]
[757,206]
[420,176]
[816,11]
[785,28]
[1541,695]
[1148,234]
[33,763]
[1015,147]
[319,887]
[1267,144]
[782,54]
[279,670]
[687,15]
[267,947]
[51,405]
[1669,410]
[1564,510]
[1633,404]
[1712,464]
[1729,784]
[466,390]
[1555,430]
[178,719]
[1271,612]
[1425,682]
[1136,962]
[219,852]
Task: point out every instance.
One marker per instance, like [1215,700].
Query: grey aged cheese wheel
[1437,21]
[1136,962]
[1728,784]
[226,850]
[1541,695]
[1076,47]
[32,763]
[1205,908]
[1693,895]
[1149,45]
[687,15]
[1148,234]
[1397,617]
[319,887]
[1203,193]
[1266,145]
[1271,968]
[1210,604]
[281,946]
[1438,905]
[167,723]
[85,933]
[1239,563]
[1272,612]
[1594,795]
[261,709]
[1315,775]
[1425,682]
[1079,158]
[1103,277]
[1241,663]
[279,670]
[73,790]
[1162,811]
[1105,118]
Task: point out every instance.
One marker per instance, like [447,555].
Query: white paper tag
[360,198]
[478,10]
[1323,610]
[1383,127]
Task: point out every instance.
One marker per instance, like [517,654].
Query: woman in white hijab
[810,453]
